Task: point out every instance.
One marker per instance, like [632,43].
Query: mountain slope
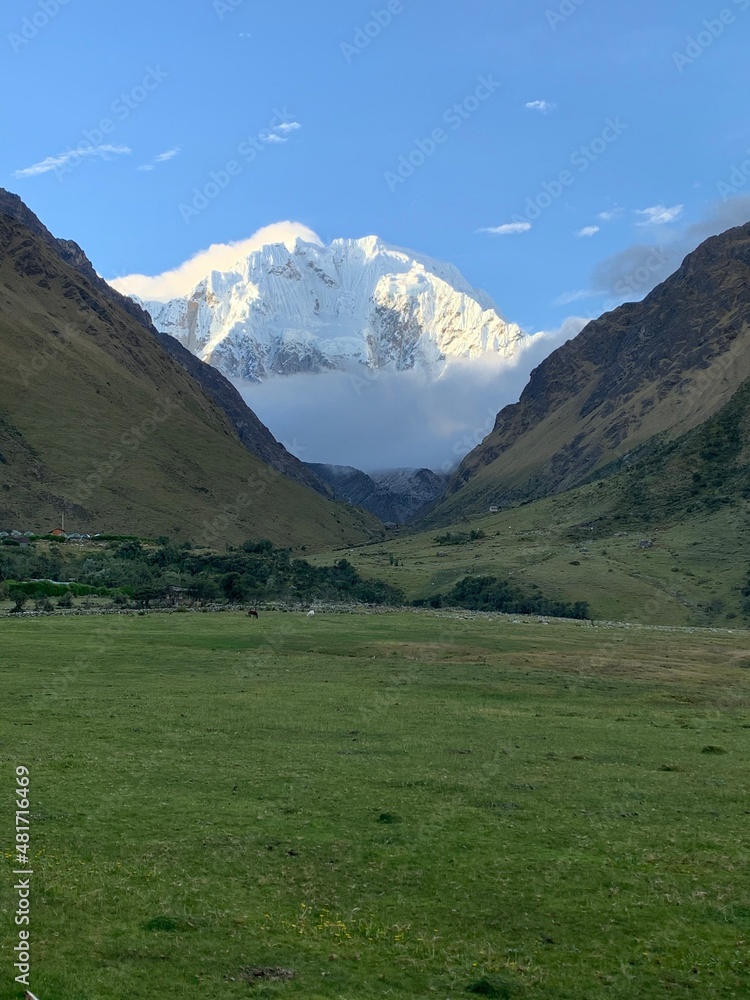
[657,367]
[254,435]
[313,308]
[97,419]
[394,496]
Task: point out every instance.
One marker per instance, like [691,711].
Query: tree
[20,597]
[234,588]
[148,593]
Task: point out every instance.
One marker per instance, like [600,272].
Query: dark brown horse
[252,613]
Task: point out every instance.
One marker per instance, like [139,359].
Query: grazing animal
[252,613]
[310,614]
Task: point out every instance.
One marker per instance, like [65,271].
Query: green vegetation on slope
[487,593]
[391,805]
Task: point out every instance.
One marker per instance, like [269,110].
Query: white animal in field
[310,614]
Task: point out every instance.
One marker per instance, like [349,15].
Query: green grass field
[397,805]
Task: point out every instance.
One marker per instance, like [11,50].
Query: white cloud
[659,215]
[569,297]
[168,154]
[588,231]
[612,215]
[344,419]
[218,257]
[546,107]
[69,156]
[164,157]
[288,127]
[272,137]
[508,229]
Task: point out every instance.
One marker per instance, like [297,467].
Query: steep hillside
[254,435]
[96,419]
[657,367]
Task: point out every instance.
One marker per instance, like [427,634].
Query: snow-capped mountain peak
[355,302]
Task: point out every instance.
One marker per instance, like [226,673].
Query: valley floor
[398,805]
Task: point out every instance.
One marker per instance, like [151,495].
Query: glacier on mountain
[354,303]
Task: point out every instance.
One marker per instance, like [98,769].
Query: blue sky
[190,87]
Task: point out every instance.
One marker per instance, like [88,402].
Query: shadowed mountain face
[254,435]
[98,419]
[658,367]
[395,496]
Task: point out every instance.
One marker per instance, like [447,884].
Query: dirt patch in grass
[266,974]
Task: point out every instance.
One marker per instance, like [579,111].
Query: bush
[488,593]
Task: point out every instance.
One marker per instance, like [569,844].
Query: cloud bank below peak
[389,419]
[181,280]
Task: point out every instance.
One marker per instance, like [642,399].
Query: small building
[58,533]
[494,510]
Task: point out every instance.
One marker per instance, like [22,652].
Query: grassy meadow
[402,805]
